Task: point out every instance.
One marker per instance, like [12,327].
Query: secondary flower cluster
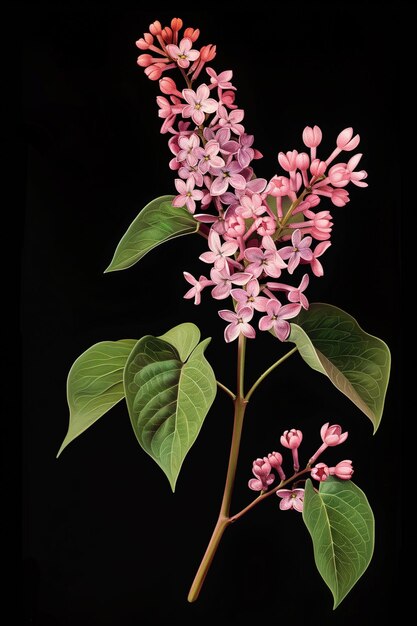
[256,229]
[263,468]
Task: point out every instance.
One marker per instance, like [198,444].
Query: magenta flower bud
[312,136]
[343,470]
[291,438]
[345,141]
[332,435]
[228,99]
[153,72]
[144,60]
[320,472]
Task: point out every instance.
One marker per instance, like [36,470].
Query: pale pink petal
[192,55]
[248,331]
[185,44]
[232,332]
[306,254]
[203,93]
[198,116]
[298,504]
[289,310]
[293,262]
[189,96]
[221,291]
[173,50]
[255,484]
[209,106]
[207,257]
[227,315]
[219,186]
[282,329]
[286,504]
[286,252]
[265,323]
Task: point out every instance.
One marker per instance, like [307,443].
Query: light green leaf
[341,524]
[358,364]
[183,337]
[159,221]
[169,390]
[95,384]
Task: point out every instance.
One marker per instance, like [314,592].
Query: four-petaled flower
[199,103]
[291,499]
[218,250]
[300,250]
[198,286]
[183,53]
[187,194]
[239,323]
[224,281]
[250,296]
[276,318]
[209,157]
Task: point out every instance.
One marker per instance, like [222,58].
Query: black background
[105,541]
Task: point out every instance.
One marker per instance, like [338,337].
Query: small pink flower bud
[154,71]
[228,99]
[235,226]
[275,460]
[303,161]
[167,35]
[317,167]
[320,472]
[155,28]
[168,86]
[176,24]
[144,42]
[144,60]
[345,141]
[288,161]
[261,468]
[332,435]
[192,33]
[340,197]
[312,136]
[343,470]
[207,53]
[291,438]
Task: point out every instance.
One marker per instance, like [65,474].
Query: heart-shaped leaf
[341,524]
[358,364]
[95,384]
[169,389]
[159,221]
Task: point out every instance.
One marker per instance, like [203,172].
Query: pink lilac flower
[251,207]
[187,171]
[261,468]
[187,149]
[268,261]
[320,249]
[245,154]
[343,470]
[250,296]
[320,472]
[198,286]
[224,281]
[239,323]
[294,294]
[231,119]
[312,138]
[331,436]
[228,174]
[345,141]
[187,194]
[218,250]
[183,53]
[319,225]
[209,157]
[275,460]
[292,439]
[199,103]
[276,318]
[221,80]
[291,499]
[300,250]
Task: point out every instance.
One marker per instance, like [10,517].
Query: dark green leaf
[159,221]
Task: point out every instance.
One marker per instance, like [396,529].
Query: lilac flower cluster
[256,229]
[262,468]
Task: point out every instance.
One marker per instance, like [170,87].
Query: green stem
[268,371]
[224,520]
[290,211]
[226,390]
[265,495]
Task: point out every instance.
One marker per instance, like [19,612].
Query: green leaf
[169,388]
[159,221]
[358,364]
[95,384]
[341,524]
